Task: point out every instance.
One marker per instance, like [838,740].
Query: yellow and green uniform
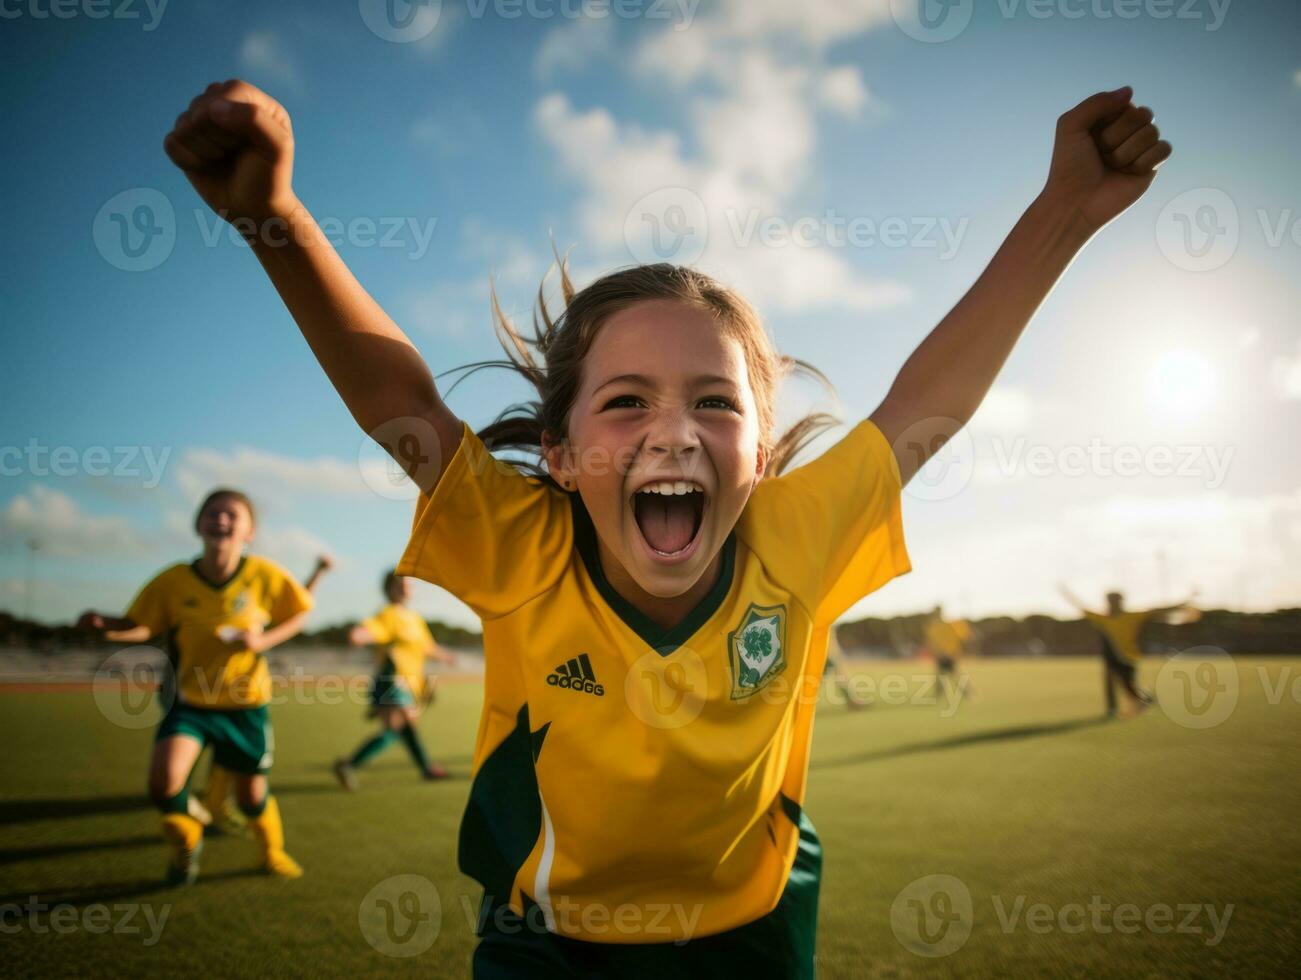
[634,784]
[219,691]
[1121,632]
[947,639]
[405,641]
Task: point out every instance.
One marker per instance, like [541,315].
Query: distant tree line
[1000,636]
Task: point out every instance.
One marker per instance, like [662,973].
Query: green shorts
[777,946]
[241,738]
[387,689]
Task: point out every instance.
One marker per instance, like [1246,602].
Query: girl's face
[225,522]
[663,443]
[399,590]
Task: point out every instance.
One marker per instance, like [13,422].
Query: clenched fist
[236,147]
[1105,156]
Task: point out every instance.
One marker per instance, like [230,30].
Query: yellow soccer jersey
[1122,631]
[404,639]
[946,638]
[640,784]
[211,673]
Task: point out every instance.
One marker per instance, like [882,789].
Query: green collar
[194,567]
[662,641]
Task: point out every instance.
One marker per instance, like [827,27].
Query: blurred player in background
[221,613]
[400,689]
[1121,653]
[947,643]
[217,809]
[839,673]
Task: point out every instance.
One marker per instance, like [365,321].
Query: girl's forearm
[945,379]
[287,630]
[371,363]
[125,631]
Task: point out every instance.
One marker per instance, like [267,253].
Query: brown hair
[563,343]
[238,495]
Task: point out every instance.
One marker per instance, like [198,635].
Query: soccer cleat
[183,865]
[346,775]
[282,865]
[435,771]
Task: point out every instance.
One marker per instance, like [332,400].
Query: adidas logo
[576,674]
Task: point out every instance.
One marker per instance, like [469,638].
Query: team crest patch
[757,649]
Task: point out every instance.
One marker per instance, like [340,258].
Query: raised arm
[115,629]
[1104,157]
[1069,596]
[324,563]
[235,145]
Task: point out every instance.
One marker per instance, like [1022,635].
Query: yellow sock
[182,830]
[218,791]
[270,834]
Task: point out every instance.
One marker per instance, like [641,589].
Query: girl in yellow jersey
[656,592]
[403,642]
[220,613]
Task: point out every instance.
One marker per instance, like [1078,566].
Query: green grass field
[1024,796]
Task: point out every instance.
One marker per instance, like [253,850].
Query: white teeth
[672,488]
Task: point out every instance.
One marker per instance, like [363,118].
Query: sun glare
[1181,382]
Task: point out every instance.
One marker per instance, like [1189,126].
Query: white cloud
[1006,409]
[263,53]
[575,45]
[62,529]
[1285,374]
[267,475]
[750,80]
[842,90]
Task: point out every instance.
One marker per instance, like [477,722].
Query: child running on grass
[1119,630]
[400,689]
[221,614]
[217,809]
[655,592]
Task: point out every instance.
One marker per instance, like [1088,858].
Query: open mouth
[669,515]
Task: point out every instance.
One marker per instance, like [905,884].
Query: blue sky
[1141,436]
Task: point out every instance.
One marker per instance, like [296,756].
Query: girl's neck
[220,562]
[664,612]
